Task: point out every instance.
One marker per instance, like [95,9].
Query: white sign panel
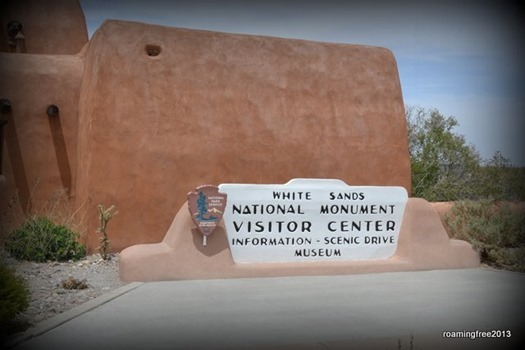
[312,220]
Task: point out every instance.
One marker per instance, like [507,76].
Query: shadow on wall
[15,155]
[59,144]
[5,109]
[10,134]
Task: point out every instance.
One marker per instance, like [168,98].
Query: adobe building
[139,115]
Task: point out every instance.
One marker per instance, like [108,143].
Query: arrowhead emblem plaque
[206,206]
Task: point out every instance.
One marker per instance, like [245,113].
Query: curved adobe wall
[53,27]
[39,154]
[163,110]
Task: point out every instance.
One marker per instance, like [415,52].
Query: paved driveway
[325,312]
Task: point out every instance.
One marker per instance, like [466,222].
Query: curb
[54,322]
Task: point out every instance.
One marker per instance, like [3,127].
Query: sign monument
[303,227]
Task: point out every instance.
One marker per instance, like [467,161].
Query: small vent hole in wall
[152,50]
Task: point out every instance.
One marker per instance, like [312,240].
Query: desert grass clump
[72,283]
[57,206]
[495,229]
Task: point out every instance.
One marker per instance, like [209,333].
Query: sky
[459,57]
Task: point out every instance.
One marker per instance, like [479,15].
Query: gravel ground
[48,297]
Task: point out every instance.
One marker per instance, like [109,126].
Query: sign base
[423,245]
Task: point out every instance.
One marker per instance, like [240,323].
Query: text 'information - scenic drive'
[312,220]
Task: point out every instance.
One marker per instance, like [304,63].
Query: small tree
[105,215]
[502,181]
[444,166]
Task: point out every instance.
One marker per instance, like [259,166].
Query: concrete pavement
[387,311]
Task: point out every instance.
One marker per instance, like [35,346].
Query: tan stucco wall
[140,131]
[50,27]
[214,108]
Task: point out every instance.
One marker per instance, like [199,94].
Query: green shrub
[494,229]
[39,239]
[14,295]
[445,167]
